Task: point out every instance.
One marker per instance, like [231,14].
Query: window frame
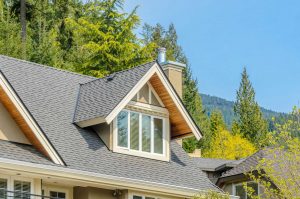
[242,184]
[127,150]
[12,179]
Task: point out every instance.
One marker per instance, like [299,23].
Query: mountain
[226,107]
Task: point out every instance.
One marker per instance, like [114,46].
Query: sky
[220,37]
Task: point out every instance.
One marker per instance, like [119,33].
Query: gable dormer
[136,112]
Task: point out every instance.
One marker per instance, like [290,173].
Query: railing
[5,194]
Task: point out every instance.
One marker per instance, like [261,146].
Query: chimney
[173,70]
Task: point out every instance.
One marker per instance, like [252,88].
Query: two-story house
[67,135]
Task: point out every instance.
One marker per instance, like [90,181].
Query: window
[57,195]
[22,189]
[3,188]
[240,191]
[123,129]
[140,132]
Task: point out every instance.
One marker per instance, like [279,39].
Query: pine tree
[250,120]
[216,121]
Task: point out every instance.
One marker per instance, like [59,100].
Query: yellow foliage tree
[228,146]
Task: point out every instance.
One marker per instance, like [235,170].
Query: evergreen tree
[250,120]
[216,121]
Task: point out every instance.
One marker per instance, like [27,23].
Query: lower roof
[50,96]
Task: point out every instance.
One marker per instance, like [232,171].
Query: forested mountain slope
[226,107]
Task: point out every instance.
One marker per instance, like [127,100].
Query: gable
[9,130]
[95,98]
[18,112]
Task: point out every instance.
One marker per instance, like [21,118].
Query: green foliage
[225,145]
[250,120]
[211,195]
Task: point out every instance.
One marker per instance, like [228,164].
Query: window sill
[161,157]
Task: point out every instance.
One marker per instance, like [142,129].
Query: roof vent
[110,77]
[161,55]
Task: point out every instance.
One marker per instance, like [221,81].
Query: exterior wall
[9,130]
[105,133]
[96,193]
[175,77]
[59,188]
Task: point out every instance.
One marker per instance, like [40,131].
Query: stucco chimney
[173,70]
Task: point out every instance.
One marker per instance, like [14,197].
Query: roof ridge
[46,66]
[118,72]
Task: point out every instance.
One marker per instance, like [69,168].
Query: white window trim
[12,179]
[57,189]
[126,150]
[242,183]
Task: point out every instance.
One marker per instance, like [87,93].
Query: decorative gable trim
[156,70]
[25,120]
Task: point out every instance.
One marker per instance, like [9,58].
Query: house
[233,181]
[67,135]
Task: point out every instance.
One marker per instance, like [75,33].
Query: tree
[250,120]
[104,41]
[228,146]
[217,121]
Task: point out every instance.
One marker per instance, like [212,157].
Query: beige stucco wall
[96,193]
[59,188]
[175,77]
[104,132]
[9,130]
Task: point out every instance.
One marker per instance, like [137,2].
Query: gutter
[96,178]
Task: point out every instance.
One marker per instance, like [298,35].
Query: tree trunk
[23,27]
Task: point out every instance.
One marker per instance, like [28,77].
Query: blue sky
[221,37]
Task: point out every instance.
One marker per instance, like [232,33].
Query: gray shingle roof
[246,165]
[50,96]
[99,97]
[22,152]
[211,164]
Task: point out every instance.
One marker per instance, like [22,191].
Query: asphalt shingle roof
[50,96]
[210,164]
[22,152]
[99,97]
[247,165]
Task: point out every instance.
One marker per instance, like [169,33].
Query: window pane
[22,190]
[3,188]
[254,187]
[144,94]
[137,197]
[154,100]
[134,131]
[158,135]
[146,133]
[57,195]
[122,123]
[240,191]
[149,198]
